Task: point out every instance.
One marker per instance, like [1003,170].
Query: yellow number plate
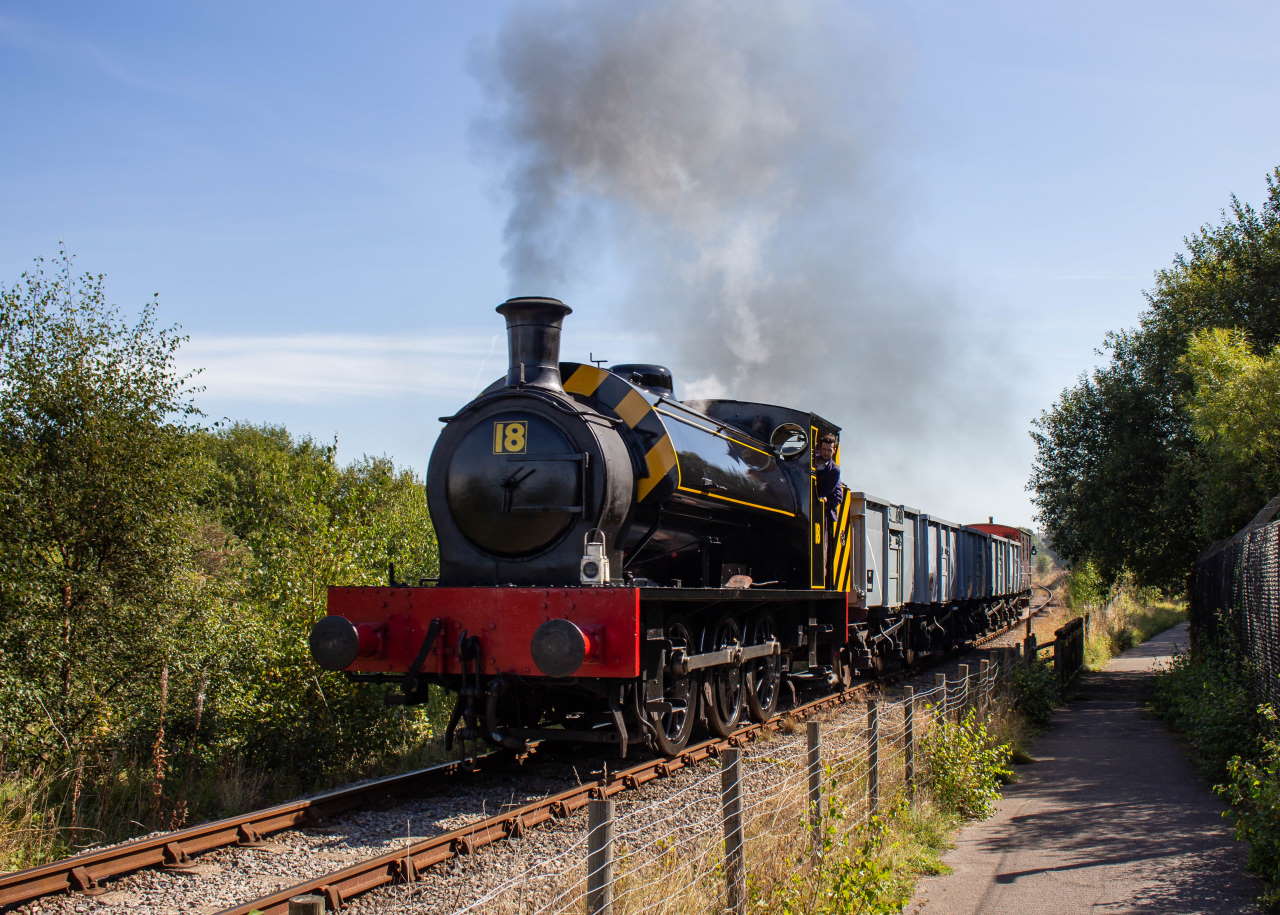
[510,437]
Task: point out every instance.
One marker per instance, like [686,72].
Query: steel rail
[404,864]
[174,849]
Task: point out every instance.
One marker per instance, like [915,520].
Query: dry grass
[670,855]
[1128,619]
[46,815]
[29,831]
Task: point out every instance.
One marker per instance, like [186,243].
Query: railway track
[87,873]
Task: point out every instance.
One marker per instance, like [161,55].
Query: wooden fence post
[909,729]
[600,857]
[965,695]
[731,810]
[940,683]
[306,905]
[984,694]
[873,760]
[815,785]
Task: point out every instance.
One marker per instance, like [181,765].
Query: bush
[966,766]
[1035,691]
[158,580]
[1085,587]
[1206,697]
[1253,790]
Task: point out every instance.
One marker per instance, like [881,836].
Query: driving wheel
[763,675]
[723,692]
[675,713]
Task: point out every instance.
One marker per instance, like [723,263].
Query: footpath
[1111,817]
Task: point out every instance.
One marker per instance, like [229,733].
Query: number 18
[510,438]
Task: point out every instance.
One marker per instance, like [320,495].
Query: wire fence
[769,813]
[1236,583]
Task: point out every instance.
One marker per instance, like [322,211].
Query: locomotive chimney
[533,340]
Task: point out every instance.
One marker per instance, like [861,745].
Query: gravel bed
[225,876]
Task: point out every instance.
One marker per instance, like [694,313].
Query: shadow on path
[1112,817]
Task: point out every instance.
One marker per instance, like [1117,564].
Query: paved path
[1110,818]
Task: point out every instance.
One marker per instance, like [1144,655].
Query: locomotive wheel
[681,693]
[723,690]
[763,675]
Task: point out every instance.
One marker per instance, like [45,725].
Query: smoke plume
[739,161]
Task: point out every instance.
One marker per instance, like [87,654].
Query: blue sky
[304,186]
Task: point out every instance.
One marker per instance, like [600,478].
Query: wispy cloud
[41,38]
[321,368]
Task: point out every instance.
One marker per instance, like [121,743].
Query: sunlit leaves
[1125,474]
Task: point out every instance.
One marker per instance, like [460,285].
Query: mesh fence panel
[669,853]
[1236,584]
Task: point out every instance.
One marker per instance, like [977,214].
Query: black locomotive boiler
[619,566]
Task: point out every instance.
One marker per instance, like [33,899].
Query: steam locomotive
[621,567]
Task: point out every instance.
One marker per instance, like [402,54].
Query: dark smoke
[739,161]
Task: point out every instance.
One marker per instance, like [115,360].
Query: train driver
[827,472]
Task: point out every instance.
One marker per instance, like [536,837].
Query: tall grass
[1120,616]
[29,827]
[46,814]
[1129,618]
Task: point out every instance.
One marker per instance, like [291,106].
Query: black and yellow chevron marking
[607,390]
[842,555]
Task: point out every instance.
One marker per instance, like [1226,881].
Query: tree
[158,579]
[95,527]
[305,523]
[1118,471]
[1234,407]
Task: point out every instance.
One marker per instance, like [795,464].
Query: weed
[1253,790]
[1035,691]
[966,765]
[1206,697]
[1129,618]
[866,868]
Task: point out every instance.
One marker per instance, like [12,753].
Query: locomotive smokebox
[533,341]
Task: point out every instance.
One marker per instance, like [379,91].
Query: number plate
[510,437]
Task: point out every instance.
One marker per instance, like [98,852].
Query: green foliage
[1205,695]
[96,526]
[966,766]
[855,873]
[1085,587]
[1119,463]
[1130,617]
[158,580]
[298,523]
[1253,791]
[1234,406]
[1035,691]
